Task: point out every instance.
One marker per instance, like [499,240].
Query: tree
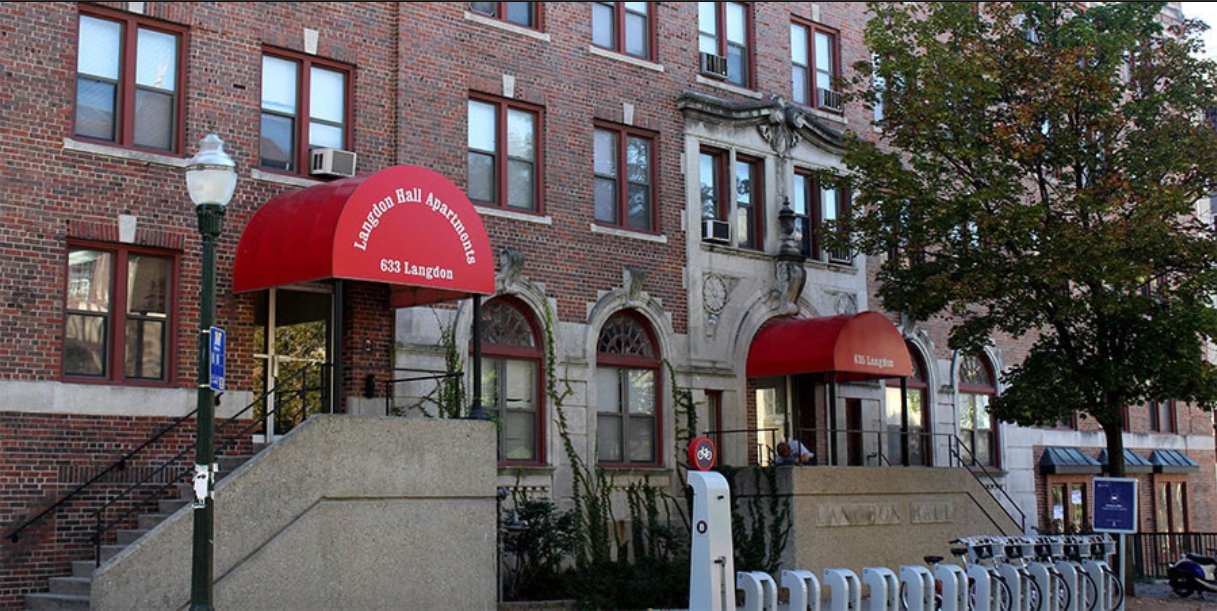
[1037,174]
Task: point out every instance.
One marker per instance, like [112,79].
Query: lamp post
[211,178]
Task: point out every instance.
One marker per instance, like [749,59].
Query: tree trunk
[1114,432]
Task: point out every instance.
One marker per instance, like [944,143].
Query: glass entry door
[292,350]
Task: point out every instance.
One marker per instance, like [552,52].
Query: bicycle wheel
[1117,589]
[1033,595]
[1063,595]
[1005,599]
[1093,589]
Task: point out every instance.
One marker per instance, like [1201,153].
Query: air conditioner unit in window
[830,100]
[713,65]
[713,230]
[332,162]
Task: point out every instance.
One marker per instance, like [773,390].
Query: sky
[1206,12]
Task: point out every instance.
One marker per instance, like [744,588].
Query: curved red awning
[865,345]
[406,226]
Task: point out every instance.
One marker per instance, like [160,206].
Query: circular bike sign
[701,454]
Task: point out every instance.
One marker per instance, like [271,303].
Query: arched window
[511,380]
[917,395]
[627,392]
[976,428]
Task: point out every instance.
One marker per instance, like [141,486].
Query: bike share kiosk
[711,563]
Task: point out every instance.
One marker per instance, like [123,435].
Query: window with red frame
[624,27]
[815,63]
[725,30]
[915,416]
[628,410]
[1162,416]
[119,321]
[304,100]
[504,154]
[128,81]
[511,380]
[1170,506]
[977,430]
[520,13]
[749,202]
[817,208]
[712,173]
[1069,510]
[624,177]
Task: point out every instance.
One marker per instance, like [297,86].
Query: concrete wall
[343,513]
[855,517]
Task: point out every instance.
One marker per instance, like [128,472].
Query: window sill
[827,116]
[117,152]
[513,215]
[505,25]
[525,470]
[627,233]
[729,87]
[629,59]
[282,179]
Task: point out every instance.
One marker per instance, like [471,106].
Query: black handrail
[431,374]
[100,527]
[954,447]
[121,464]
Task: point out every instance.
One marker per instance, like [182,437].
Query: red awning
[406,226]
[865,345]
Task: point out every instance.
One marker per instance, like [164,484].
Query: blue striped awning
[1172,461]
[1060,461]
[1133,462]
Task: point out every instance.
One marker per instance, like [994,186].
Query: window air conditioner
[713,65]
[332,162]
[713,230]
[830,100]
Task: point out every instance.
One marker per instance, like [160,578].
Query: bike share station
[996,573]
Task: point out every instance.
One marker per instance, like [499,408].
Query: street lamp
[211,177]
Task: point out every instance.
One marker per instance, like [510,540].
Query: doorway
[771,419]
[292,345]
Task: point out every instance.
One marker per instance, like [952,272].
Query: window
[916,389]
[304,99]
[1162,416]
[815,63]
[712,174]
[511,380]
[627,392]
[519,13]
[749,203]
[503,154]
[118,326]
[817,207]
[624,27]
[1069,515]
[725,30]
[976,430]
[625,178]
[1170,506]
[880,86]
[127,81]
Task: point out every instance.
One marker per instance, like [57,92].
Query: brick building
[645,174]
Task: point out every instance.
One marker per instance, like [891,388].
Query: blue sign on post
[1115,504]
[217,359]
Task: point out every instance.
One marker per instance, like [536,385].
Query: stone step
[170,506]
[76,586]
[127,537]
[83,568]
[148,521]
[56,602]
[110,551]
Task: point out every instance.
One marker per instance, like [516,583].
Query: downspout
[954,404]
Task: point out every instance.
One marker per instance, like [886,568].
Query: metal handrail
[431,374]
[121,464]
[100,527]
[954,448]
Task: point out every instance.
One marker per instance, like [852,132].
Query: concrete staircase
[71,592]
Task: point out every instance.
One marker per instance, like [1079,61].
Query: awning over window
[406,226]
[1062,461]
[1133,462]
[858,346]
[1172,461]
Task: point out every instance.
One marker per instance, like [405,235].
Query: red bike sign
[701,454]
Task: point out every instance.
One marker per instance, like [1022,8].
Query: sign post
[1115,511]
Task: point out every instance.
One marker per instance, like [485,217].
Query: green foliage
[1037,177]
[447,399]
[539,539]
[760,523]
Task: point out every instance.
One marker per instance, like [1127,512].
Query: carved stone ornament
[847,303]
[790,278]
[511,265]
[633,279]
[779,130]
